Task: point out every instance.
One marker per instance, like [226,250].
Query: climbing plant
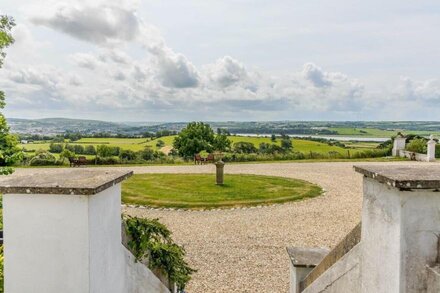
[152,240]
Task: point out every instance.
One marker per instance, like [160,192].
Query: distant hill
[51,126]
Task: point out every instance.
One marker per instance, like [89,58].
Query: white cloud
[131,68]
[85,60]
[174,69]
[315,75]
[101,24]
[227,71]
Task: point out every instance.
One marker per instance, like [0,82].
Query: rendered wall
[398,237]
[342,277]
[70,244]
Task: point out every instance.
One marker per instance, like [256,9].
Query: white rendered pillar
[62,231]
[398,145]
[431,149]
[400,220]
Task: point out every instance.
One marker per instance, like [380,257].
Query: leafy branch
[152,240]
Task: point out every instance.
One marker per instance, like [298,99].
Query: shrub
[107,151]
[107,160]
[152,240]
[43,158]
[90,150]
[160,143]
[286,143]
[56,148]
[243,147]
[78,149]
[417,145]
[127,155]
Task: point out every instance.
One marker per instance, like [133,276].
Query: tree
[286,143]
[56,148]
[244,147]
[127,155]
[66,154]
[194,138]
[273,138]
[104,151]
[148,154]
[90,150]
[221,143]
[9,150]
[160,143]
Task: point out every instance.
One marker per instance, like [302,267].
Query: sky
[241,60]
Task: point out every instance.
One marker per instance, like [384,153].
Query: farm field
[375,132]
[138,144]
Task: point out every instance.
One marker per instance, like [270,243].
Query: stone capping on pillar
[403,177]
[342,248]
[62,181]
[305,257]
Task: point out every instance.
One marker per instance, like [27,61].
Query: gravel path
[244,250]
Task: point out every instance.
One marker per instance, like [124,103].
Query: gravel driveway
[243,250]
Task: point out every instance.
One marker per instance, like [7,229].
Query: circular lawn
[200,191]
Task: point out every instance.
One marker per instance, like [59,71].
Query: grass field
[138,144]
[200,191]
[370,132]
[375,132]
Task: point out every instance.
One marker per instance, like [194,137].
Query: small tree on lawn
[286,143]
[194,138]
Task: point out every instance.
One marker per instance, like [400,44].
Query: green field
[200,190]
[375,132]
[306,146]
[134,144]
[138,144]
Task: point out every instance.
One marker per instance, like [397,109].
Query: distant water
[328,137]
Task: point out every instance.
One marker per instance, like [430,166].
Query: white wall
[418,156]
[342,277]
[70,244]
[398,237]
[46,245]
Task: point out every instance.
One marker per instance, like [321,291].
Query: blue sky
[223,60]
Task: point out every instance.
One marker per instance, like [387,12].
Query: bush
[243,147]
[107,151]
[286,143]
[43,158]
[267,148]
[90,150]
[417,145]
[127,155]
[56,148]
[107,160]
[160,143]
[152,240]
